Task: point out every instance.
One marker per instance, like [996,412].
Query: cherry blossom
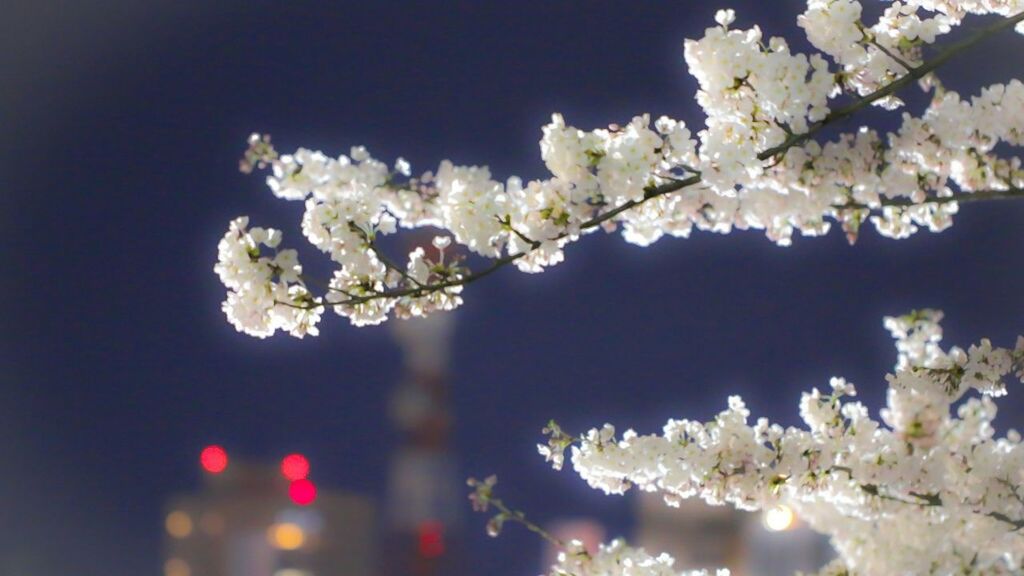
[927,489]
[754,164]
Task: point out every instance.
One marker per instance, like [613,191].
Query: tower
[425,497]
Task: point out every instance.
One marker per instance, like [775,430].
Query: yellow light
[779,518]
[292,572]
[178,524]
[286,536]
[176,567]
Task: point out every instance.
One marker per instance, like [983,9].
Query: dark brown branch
[962,198]
[914,75]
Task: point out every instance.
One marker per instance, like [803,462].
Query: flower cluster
[753,165]
[929,489]
[753,97]
[618,559]
[873,56]
[265,293]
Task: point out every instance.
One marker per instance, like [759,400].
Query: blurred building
[780,543]
[425,496]
[252,520]
[773,543]
[695,534]
[271,520]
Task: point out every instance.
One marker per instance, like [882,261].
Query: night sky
[122,123]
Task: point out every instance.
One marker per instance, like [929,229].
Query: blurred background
[121,124]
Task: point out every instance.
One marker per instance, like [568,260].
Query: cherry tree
[921,490]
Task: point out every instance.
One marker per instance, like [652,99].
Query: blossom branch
[652,192]
[483,498]
[880,491]
[755,166]
[914,74]
[982,195]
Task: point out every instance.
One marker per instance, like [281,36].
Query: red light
[431,539]
[295,467]
[213,459]
[302,492]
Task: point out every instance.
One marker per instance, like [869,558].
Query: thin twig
[889,53]
[388,263]
[517,516]
[962,198]
[930,500]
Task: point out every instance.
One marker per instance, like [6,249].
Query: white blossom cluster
[259,284]
[872,56]
[752,96]
[928,489]
[754,165]
[618,559]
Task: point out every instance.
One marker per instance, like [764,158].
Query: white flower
[441,242]
[725,17]
[265,293]
[618,559]
[403,167]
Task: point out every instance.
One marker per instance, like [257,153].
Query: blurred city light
[295,467]
[431,539]
[302,492]
[214,459]
[779,518]
[177,567]
[286,536]
[292,572]
[248,523]
[178,524]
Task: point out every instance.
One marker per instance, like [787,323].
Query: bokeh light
[177,567]
[431,539]
[286,536]
[214,459]
[779,518]
[295,467]
[178,524]
[292,572]
[302,492]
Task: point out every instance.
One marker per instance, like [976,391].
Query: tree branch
[483,498]
[913,75]
[962,198]
[792,140]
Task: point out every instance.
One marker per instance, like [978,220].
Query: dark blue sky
[122,123]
